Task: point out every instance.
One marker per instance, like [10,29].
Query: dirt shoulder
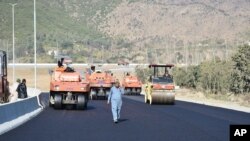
[239,103]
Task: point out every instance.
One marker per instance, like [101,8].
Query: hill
[135,30]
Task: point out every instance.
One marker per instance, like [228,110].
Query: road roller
[160,87]
[100,83]
[132,85]
[67,88]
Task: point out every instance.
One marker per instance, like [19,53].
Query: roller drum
[158,97]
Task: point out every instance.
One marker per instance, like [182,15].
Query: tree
[143,73]
[241,75]
[187,79]
[67,45]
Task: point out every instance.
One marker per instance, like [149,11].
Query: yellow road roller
[160,86]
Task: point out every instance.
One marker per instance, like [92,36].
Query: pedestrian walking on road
[22,89]
[115,97]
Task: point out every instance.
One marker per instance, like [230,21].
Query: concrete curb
[9,125]
[16,113]
[208,103]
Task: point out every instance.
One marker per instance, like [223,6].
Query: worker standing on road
[22,89]
[115,97]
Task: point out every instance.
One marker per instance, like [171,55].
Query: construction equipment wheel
[127,91]
[1,100]
[50,104]
[69,106]
[138,91]
[161,98]
[145,98]
[81,102]
[58,101]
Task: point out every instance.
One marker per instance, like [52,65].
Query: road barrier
[16,113]
[16,109]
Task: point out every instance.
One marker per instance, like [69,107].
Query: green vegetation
[241,73]
[143,73]
[218,76]
[66,23]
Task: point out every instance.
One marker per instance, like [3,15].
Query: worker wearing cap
[115,97]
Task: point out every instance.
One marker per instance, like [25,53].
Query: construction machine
[100,83]
[67,87]
[132,85]
[160,87]
[4,84]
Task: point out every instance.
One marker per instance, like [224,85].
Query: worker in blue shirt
[115,97]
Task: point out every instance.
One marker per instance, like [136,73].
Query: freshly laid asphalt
[140,122]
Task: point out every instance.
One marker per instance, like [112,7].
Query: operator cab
[161,74]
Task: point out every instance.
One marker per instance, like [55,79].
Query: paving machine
[4,84]
[67,88]
[160,87]
[132,85]
[100,83]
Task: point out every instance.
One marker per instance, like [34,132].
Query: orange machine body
[131,84]
[68,88]
[68,81]
[160,88]
[100,83]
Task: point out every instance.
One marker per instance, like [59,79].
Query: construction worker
[14,94]
[22,89]
[115,97]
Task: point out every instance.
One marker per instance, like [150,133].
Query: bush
[143,73]
[209,76]
[187,78]
[215,76]
[241,72]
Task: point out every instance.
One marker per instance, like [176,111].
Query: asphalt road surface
[140,122]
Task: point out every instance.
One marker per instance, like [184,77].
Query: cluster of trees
[218,76]
[143,73]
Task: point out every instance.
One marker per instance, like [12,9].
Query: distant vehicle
[160,88]
[131,84]
[100,82]
[4,84]
[67,88]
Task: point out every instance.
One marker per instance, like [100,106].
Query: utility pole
[175,61]
[102,53]
[156,56]
[57,51]
[185,46]
[226,49]
[166,52]
[7,51]
[213,52]
[35,40]
[13,41]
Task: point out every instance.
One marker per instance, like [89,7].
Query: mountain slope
[137,30]
[189,20]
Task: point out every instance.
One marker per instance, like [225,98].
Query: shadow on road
[123,120]
[90,108]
